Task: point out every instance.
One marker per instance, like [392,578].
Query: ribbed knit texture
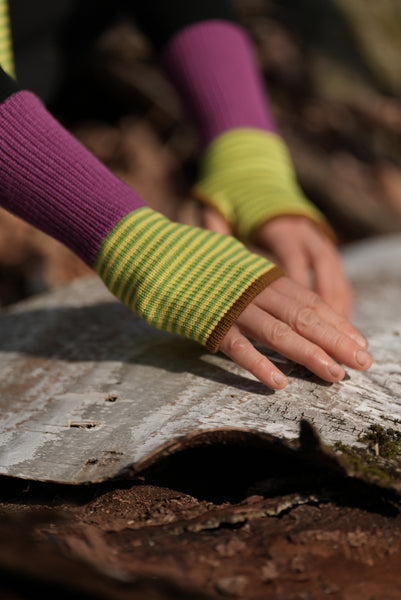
[50,180]
[6,47]
[181,279]
[247,175]
[213,65]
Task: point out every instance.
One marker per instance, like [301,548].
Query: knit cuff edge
[258,285]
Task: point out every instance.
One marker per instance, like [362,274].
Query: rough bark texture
[89,391]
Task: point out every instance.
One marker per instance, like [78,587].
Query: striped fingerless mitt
[181,279]
[247,175]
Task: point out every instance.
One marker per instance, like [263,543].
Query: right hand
[297,323]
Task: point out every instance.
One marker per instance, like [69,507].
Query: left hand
[298,246]
[303,250]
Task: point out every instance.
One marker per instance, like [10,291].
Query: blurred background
[333,73]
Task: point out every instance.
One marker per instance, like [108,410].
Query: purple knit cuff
[213,66]
[50,180]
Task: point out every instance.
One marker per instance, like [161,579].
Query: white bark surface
[87,389]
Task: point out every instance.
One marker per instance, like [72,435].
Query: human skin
[299,324]
[301,248]
[309,327]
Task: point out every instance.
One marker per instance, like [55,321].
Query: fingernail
[362,358]
[336,370]
[279,379]
[360,340]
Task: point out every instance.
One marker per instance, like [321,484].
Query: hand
[298,324]
[299,247]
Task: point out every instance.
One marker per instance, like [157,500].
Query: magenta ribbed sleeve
[50,180]
[213,65]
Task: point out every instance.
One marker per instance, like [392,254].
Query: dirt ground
[221,523]
[218,522]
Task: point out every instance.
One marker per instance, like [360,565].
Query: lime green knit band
[247,175]
[181,279]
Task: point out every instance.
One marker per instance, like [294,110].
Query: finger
[302,248]
[308,324]
[310,299]
[279,336]
[241,351]
[293,259]
[333,287]
[330,280]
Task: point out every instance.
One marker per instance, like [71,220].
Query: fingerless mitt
[182,279]
[247,176]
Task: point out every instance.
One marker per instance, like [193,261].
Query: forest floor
[171,534]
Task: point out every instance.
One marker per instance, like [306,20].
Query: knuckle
[305,318]
[342,324]
[236,345]
[277,332]
[314,301]
[260,364]
[339,343]
[315,357]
